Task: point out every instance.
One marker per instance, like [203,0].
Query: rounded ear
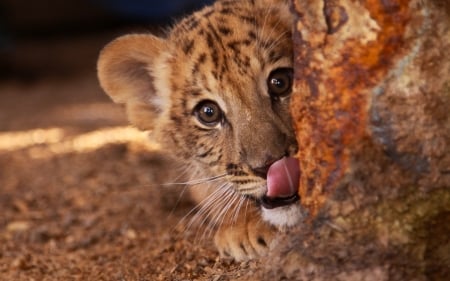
[124,71]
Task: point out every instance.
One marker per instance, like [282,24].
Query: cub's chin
[284,216]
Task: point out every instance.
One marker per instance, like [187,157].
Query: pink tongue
[283,178]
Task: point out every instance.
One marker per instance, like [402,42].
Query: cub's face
[215,92]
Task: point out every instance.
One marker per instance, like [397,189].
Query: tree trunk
[371,106]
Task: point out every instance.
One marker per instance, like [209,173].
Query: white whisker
[223,207]
[226,208]
[276,42]
[264,24]
[215,214]
[207,201]
[237,209]
[197,181]
[207,209]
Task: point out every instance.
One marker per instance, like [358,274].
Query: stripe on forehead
[230,40]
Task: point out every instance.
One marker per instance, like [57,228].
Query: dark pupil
[208,112]
[279,83]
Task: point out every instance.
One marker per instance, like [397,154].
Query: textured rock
[371,106]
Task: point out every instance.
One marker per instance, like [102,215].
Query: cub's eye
[279,82]
[208,113]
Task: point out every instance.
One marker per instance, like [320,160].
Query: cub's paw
[247,238]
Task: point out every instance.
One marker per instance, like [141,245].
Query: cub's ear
[124,71]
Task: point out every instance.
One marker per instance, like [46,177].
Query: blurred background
[48,54]
[52,37]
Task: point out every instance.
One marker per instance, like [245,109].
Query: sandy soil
[82,194]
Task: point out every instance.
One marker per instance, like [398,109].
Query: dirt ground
[82,195]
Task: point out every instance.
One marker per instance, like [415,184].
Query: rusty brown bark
[371,106]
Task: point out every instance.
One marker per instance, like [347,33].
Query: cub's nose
[262,170]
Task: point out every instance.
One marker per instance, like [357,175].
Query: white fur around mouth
[286,216]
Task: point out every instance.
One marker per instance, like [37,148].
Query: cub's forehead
[236,29]
[216,30]
[230,47]
[220,17]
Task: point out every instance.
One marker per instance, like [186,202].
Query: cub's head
[215,93]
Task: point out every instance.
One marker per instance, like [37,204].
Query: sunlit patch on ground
[22,139]
[55,141]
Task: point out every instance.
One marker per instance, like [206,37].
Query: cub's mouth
[282,183]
